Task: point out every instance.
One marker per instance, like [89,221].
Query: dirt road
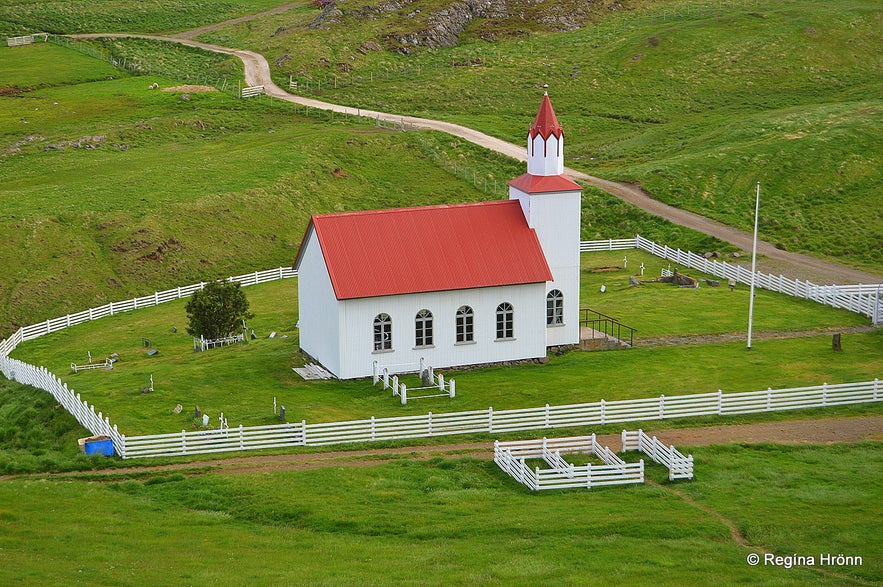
[774,261]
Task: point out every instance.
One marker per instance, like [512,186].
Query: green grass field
[450,521]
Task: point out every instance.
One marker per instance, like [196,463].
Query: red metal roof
[545,124]
[433,248]
[533,184]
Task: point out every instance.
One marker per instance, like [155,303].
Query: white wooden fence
[855,298]
[679,466]
[251,91]
[25,39]
[511,456]
[490,421]
[865,299]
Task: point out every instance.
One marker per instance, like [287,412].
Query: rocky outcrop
[447,24]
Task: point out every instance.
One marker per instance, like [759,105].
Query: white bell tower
[551,203]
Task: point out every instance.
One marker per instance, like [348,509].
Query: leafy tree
[217,310]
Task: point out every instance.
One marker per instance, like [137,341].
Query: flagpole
[753,265]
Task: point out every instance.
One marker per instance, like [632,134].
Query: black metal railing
[607,325]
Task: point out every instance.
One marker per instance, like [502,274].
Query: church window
[554,308]
[423,324]
[382,332]
[464,324]
[505,321]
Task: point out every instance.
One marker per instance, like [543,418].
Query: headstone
[835,342]
[282,413]
[152,352]
[197,413]
[713,282]
[273,334]
[178,409]
[603,288]
[205,419]
[425,378]
[732,284]
[633,280]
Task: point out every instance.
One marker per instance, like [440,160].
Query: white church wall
[319,331]
[556,219]
[358,355]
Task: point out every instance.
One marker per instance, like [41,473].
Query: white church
[449,285]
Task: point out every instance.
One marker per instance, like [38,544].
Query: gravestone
[835,342]
[282,413]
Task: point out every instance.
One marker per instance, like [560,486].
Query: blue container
[102,446]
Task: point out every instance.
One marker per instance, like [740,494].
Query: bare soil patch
[191,89]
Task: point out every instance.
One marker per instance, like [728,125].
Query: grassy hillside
[18,17]
[111,189]
[696,101]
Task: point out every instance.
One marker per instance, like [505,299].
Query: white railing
[251,91]
[861,298]
[492,421]
[42,378]
[679,466]
[510,457]
[613,244]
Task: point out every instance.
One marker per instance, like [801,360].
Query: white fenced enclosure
[679,466]
[511,456]
[862,299]
[202,344]
[434,384]
[251,91]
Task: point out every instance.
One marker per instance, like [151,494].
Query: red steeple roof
[545,124]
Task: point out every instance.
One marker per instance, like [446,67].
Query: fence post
[588,475]
[404,393]
[373,430]
[429,424]
[824,394]
[303,427]
[769,399]
[490,419]
[184,441]
[876,386]
[548,425]
[661,406]
[451,391]
[241,437]
[603,410]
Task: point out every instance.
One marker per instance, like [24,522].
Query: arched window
[505,321]
[382,332]
[464,324]
[554,308]
[423,327]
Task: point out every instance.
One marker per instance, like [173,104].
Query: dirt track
[774,261]
[822,431]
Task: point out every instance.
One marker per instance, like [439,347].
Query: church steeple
[545,142]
